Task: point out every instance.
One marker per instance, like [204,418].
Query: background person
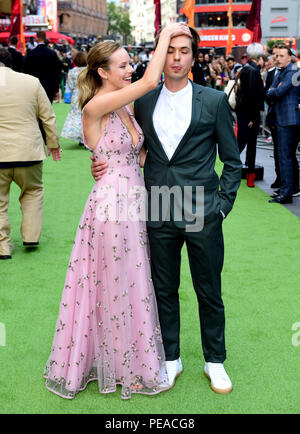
[22,150]
[72,128]
[42,62]
[250,102]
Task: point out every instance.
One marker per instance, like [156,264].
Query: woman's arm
[102,104]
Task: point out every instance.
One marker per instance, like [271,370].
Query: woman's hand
[176,29]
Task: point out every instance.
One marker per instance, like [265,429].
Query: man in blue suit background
[284,94]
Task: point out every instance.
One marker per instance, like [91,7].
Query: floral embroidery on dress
[108,328]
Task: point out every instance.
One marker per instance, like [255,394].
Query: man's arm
[229,155]
[46,114]
[275,93]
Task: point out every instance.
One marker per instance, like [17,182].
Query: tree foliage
[118,21]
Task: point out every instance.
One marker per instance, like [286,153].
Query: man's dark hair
[41,35]
[230,58]
[285,47]
[13,40]
[5,57]
[195,41]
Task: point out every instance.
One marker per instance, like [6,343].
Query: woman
[72,127]
[108,328]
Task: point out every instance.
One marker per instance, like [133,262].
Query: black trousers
[247,137]
[288,163]
[276,160]
[206,254]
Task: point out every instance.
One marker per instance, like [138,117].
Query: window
[285,28]
[220,19]
[279,9]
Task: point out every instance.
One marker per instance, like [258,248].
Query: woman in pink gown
[108,328]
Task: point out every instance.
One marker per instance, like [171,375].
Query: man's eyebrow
[181,48]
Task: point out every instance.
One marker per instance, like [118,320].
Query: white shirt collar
[187,89]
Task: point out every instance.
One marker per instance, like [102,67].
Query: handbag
[232,90]
[68,94]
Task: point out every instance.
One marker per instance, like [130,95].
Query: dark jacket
[199,77]
[270,78]
[251,92]
[17,60]
[43,63]
[193,163]
[284,94]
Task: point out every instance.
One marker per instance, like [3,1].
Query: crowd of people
[119,320]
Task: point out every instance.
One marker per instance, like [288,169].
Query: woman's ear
[102,73]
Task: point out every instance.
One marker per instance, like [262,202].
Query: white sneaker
[174,369]
[219,380]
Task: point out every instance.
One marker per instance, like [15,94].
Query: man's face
[179,58]
[230,64]
[282,58]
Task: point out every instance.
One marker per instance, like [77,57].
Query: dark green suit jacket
[193,163]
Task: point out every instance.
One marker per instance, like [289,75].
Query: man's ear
[102,73]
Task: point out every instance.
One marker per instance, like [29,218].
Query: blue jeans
[288,163]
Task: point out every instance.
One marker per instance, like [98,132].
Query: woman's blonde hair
[89,81]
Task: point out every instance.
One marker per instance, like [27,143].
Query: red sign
[218,37]
[278,19]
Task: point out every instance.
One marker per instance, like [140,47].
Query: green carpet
[260,292]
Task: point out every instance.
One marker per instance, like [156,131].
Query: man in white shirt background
[183,124]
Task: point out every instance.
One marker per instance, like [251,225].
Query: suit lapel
[197,103]
[153,102]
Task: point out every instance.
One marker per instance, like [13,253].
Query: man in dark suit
[250,102]
[270,118]
[17,58]
[184,125]
[43,63]
[284,93]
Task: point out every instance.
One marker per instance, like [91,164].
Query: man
[270,118]
[138,69]
[284,93]
[43,63]
[250,102]
[17,58]
[23,101]
[232,66]
[183,123]
[244,59]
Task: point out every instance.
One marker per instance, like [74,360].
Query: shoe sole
[177,375]
[215,389]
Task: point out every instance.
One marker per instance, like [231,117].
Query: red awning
[52,36]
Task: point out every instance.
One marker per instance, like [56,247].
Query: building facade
[82,18]
[280,20]
[211,22]
[142,17]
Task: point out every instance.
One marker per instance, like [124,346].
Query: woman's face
[120,70]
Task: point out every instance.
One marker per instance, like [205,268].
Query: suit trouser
[247,137]
[29,179]
[274,135]
[206,253]
[288,163]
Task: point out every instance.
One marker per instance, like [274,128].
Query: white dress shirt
[172,116]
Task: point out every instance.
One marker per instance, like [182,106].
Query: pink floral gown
[108,328]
